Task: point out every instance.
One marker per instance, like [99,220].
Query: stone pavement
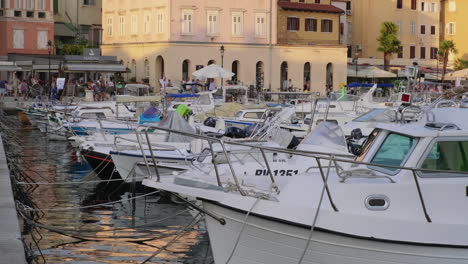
[11,246]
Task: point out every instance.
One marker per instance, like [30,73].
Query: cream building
[174,38]
[453,20]
[419,22]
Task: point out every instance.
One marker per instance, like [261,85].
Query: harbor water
[70,215]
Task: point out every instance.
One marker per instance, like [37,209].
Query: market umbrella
[374,72]
[213,71]
[457,74]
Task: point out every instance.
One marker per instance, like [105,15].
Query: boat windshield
[327,135]
[394,151]
[380,115]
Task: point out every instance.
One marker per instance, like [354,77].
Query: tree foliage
[461,64]
[388,41]
[446,47]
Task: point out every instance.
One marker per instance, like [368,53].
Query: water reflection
[126,232]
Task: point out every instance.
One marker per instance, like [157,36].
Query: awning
[9,68]
[95,67]
[63,30]
[45,67]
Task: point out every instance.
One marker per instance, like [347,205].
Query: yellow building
[419,22]
[453,19]
[172,39]
[308,22]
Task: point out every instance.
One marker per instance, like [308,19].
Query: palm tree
[389,42]
[446,47]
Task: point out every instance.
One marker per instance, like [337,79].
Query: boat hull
[101,163]
[267,240]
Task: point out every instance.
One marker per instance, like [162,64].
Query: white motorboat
[400,201]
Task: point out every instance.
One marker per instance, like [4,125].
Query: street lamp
[355,62]
[49,46]
[221,50]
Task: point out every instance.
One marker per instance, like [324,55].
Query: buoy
[23,118]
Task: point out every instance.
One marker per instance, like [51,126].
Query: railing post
[421,199]
[232,169]
[326,185]
[214,163]
[143,152]
[152,156]
[269,170]
[312,115]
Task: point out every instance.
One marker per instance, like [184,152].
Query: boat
[401,200]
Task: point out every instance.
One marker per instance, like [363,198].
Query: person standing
[16,83]
[2,89]
[285,85]
[212,86]
[24,89]
[290,86]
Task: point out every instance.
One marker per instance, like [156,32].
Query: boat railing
[319,157]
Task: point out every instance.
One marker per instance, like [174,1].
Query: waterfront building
[171,39]
[452,19]
[26,26]
[78,21]
[419,23]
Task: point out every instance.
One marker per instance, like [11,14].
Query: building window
[434,52]
[400,53]
[187,21]
[89,2]
[433,30]
[56,6]
[311,24]
[18,4]
[327,25]
[399,4]
[121,25]
[317,1]
[433,7]
[212,23]
[451,28]
[423,5]
[423,29]
[422,53]
[260,24]
[398,23]
[18,38]
[452,6]
[134,24]
[109,29]
[349,52]
[160,22]
[42,4]
[412,52]
[147,69]
[293,23]
[237,23]
[413,27]
[147,23]
[414,4]
[42,37]
[29,4]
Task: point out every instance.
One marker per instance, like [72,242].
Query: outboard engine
[210,122]
[235,132]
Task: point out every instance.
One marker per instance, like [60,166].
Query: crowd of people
[35,87]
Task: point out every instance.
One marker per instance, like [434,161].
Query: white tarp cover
[176,122]
[326,135]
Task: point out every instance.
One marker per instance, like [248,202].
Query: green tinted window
[447,155]
[393,151]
